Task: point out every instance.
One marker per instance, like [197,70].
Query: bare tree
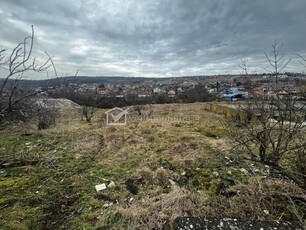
[302,60]
[277,62]
[272,128]
[244,66]
[276,137]
[14,98]
[302,84]
[88,113]
[88,101]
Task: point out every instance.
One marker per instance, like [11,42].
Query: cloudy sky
[156,38]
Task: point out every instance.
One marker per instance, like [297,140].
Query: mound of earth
[57,103]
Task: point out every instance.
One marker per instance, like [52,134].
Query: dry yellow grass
[147,153]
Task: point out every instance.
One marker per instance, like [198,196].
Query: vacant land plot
[170,161]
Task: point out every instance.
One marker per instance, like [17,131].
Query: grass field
[178,164]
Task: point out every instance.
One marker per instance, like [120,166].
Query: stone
[111,184]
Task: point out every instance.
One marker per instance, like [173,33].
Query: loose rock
[111,184]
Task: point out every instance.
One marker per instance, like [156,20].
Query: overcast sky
[156,38]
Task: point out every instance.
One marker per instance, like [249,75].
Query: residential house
[157,90]
[171,93]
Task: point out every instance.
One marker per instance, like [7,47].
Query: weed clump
[131,186]
[46,118]
[161,176]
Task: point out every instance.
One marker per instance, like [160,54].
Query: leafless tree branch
[276,61]
[17,63]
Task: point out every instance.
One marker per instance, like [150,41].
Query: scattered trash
[256,170]
[171,182]
[183,173]
[266,212]
[216,174]
[111,184]
[100,187]
[37,192]
[6,164]
[79,210]
[244,171]
[131,199]
[107,205]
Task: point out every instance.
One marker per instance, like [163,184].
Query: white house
[156,90]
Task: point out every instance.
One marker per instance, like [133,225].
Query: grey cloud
[157,38]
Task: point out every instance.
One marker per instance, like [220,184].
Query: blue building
[234,93]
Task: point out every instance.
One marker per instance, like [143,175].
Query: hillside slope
[172,160]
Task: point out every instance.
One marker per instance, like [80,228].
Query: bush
[46,118]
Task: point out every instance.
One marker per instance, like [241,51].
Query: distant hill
[120,79]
